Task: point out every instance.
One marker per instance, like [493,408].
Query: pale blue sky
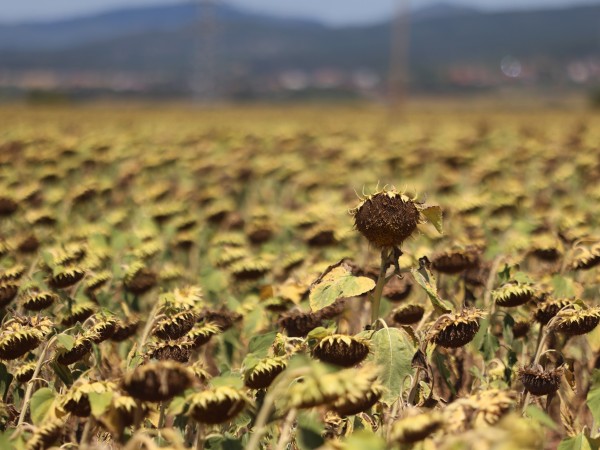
[331,11]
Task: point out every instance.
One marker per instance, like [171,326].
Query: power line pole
[399,56]
[204,84]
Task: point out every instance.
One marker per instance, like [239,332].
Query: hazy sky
[331,11]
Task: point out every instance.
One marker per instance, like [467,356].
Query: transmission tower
[204,84]
[399,56]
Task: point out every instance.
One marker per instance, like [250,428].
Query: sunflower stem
[381,280]
[260,426]
[284,437]
[29,391]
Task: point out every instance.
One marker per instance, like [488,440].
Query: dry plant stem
[86,435]
[379,286]
[29,391]
[536,358]
[286,431]
[260,426]
[413,389]
[199,438]
[161,421]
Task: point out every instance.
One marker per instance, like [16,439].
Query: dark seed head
[264,372]
[217,405]
[299,324]
[157,382]
[355,404]
[574,322]
[341,350]
[397,289]
[456,330]
[386,219]
[520,329]
[408,314]
[538,381]
[456,261]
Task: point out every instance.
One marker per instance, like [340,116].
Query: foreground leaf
[393,351]
[41,404]
[593,397]
[338,283]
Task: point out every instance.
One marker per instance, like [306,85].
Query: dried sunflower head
[521,328]
[387,218]
[408,314]
[538,381]
[179,351]
[322,388]
[158,381]
[217,405]
[549,308]
[482,408]
[585,258]
[175,325]
[298,323]
[250,269]
[513,294]
[397,289]
[64,277]
[46,435]
[98,280]
[34,300]
[416,428]
[341,350]
[76,400]
[8,291]
[16,340]
[124,329]
[262,374]
[25,372]
[13,273]
[456,330]
[357,402]
[79,313]
[81,347]
[576,320]
[200,334]
[103,330]
[456,259]
[546,246]
[139,279]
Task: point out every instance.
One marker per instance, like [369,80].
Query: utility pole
[399,56]
[203,82]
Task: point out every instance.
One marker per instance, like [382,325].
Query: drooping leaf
[535,413]
[336,284]
[565,287]
[593,397]
[259,345]
[62,372]
[434,215]
[426,280]
[361,440]
[5,381]
[393,351]
[6,441]
[65,340]
[441,364]
[310,430]
[100,402]
[176,406]
[41,404]
[579,442]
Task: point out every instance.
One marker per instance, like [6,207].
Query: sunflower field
[315,277]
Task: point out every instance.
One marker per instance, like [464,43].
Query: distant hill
[69,33]
[162,40]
